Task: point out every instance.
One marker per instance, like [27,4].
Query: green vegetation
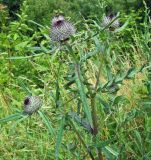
[95,88]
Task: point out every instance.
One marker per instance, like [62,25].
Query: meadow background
[101,76]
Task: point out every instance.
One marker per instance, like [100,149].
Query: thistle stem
[94,113]
[81,140]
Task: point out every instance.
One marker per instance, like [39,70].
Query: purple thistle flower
[32,104]
[116,23]
[108,19]
[61,29]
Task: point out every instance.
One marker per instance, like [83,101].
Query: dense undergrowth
[99,75]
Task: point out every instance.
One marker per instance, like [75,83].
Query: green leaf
[119,99]
[39,25]
[138,141]
[130,115]
[147,102]
[57,98]
[47,122]
[102,144]
[138,137]
[17,122]
[109,75]
[105,104]
[11,117]
[82,93]
[123,26]
[80,121]
[24,87]
[59,137]
[113,152]
[131,72]
[25,57]
[21,45]
[89,55]
[120,76]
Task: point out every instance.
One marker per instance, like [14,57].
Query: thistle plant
[82,111]
[87,93]
[61,31]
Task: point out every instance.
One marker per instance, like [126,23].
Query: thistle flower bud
[32,104]
[116,23]
[61,29]
[108,19]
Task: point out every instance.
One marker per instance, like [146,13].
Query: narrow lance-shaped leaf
[57,99]
[25,57]
[11,118]
[47,122]
[81,121]
[83,94]
[24,87]
[17,122]
[89,55]
[59,137]
[39,25]
[111,151]
[123,26]
[102,144]
[131,72]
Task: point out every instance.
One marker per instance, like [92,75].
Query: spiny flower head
[61,29]
[108,19]
[32,104]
